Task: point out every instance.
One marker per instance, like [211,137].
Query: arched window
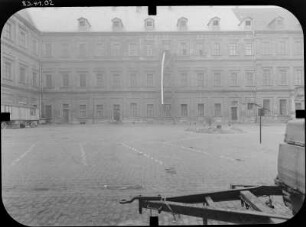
[117,24]
[182,23]
[214,23]
[149,24]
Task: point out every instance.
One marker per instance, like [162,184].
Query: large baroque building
[87,65]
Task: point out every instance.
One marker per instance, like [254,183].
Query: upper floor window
[216,49]
[249,49]
[65,50]
[35,46]
[22,37]
[200,79]
[282,47]
[48,81]
[200,49]
[217,79]
[149,24]
[100,79]
[266,47]
[34,79]
[82,80]
[48,50]
[22,74]
[182,23]
[184,48]
[117,24]
[65,77]
[8,70]
[250,79]
[184,79]
[82,50]
[116,80]
[267,78]
[283,77]
[100,49]
[299,77]
[214,23]
[166,45]
[298,47]
[233,49]
[234,79]
[149,50]
[150,79]
[8,31]
[132,49]
[133,79]
[115,49]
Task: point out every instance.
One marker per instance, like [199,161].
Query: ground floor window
[282,107]
[201,110]
[167,110]
[184,110]
[99,111]
[218,112]
[134,109]
[82,110]
[267,106]
[150,110]
[48,111]
[298,106]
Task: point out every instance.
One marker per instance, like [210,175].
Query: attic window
[247,23]
[215,23]
[82,23]
[149,23]
[117,24]
[182,23]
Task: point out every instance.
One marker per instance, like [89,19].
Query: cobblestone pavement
[76,175]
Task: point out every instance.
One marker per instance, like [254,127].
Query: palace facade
[90,66]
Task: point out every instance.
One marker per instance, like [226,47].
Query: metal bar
[232,216]
[227,195]
[254,202]
[209,201]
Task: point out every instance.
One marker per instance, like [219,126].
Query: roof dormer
[182,23]
[214,23]
[277,23]
[246,23]
[117,24]
[149,24]
[83,24]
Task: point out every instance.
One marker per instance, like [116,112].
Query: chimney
[83,24]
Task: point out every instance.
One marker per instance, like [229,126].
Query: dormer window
[149,24]
[117,24]
[83,24]
[182,23]
[276,23]
[246,23]
[214,23]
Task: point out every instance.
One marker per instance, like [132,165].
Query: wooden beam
[209,201]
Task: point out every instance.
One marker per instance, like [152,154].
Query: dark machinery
[290,183]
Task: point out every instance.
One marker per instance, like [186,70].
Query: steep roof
[63,19]
[264,16]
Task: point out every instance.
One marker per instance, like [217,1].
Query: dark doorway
[234,113]
[116,112]
[66,115]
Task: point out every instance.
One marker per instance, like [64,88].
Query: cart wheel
[3,125]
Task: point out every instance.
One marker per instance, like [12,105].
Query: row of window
[23,37]
[184,112]
[201,78]
[184,49]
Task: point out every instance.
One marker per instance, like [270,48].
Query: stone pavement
[76,175]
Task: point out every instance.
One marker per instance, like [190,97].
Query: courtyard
[77,174]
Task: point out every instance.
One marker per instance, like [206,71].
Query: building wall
[20,63]
[234,75]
